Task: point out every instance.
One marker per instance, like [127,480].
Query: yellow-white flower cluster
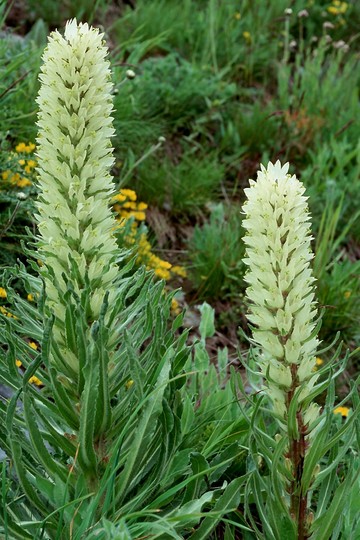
[74,159]
[281,286]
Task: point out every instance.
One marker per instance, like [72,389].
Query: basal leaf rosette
[76,244]
[280,289]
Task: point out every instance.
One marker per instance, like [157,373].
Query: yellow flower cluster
[33,379]
[338,7]
[153,262]
[23,148]
[126,206]
[6,313]
[32,344]
[318,362]
[175,307]
[247,37]
[344,411]
[27,165]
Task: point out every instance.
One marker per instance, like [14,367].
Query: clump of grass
[215,252]
[177,90]
[181,188]
[19,65]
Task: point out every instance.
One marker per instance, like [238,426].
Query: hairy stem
[297,451]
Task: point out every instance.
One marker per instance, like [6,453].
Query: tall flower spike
[74,160]
[281,287]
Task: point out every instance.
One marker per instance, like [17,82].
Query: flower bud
[303,13]
[130,74]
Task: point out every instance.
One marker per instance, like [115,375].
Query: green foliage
[216,251]
[19,64]
[48,10]
[179,188]
[338,285]
[332,176]
[313,89]
[168,96]
[173,88]
[333,441]
[215,37]
[152,454]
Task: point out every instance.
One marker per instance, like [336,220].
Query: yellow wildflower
[164,264]
[129,204]
[30,297]
[247,36]
[30,148]
[175,308]
[129,384]
[33,345]
[20,147]
[14,178]
[21,161]
[179,270]
[119,197]
[23,182]
[142,206]
[347,294]
[5,175]
[31,163]
[344,411]
[35,380]
[338,7]
[3,293]
[25,148]
[237,16]
[129,193]
[18,363]
[7,313]
[139,216]
[318,362]
[162,274]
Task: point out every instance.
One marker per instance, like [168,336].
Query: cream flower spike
[74,161]
[280,284]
